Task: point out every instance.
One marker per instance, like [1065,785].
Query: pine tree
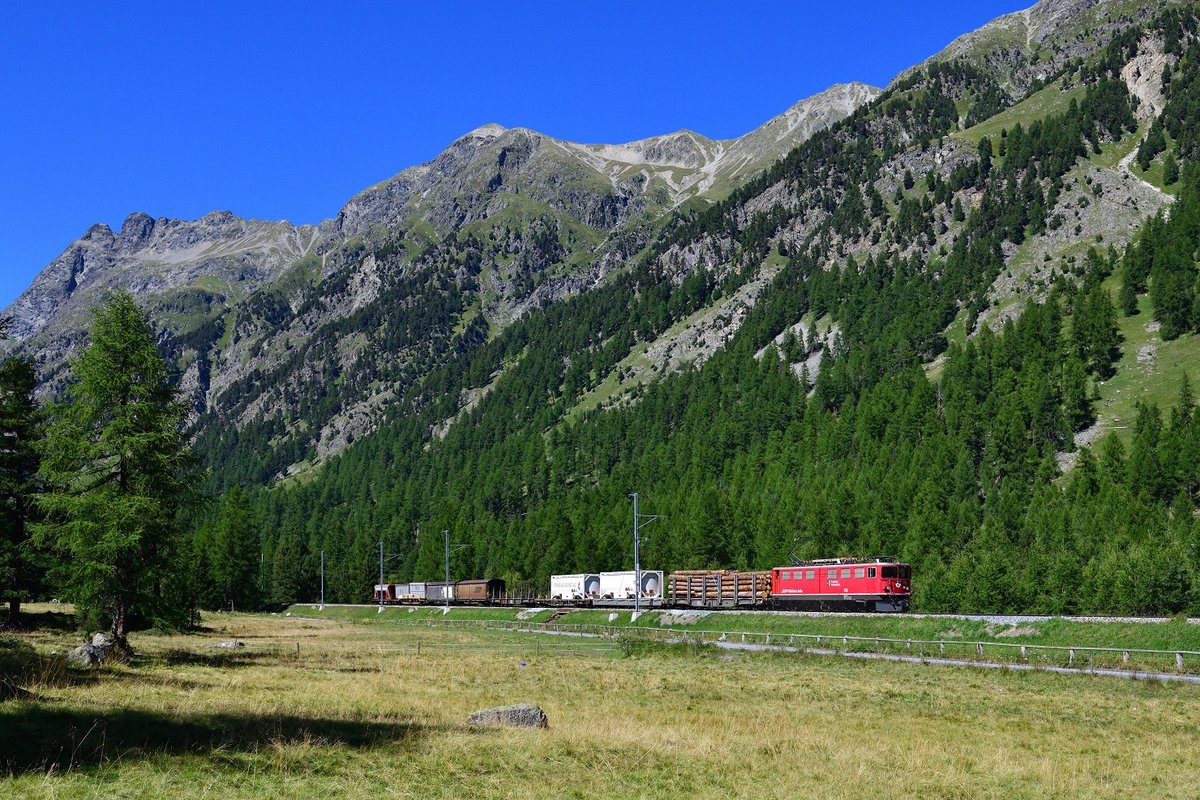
[1127,299]
[1170,169]
[985,156]
[1152,145]
[235,553]
[118,472]
[1076,405]
[21,566]
[288,571]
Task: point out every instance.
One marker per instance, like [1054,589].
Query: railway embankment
[1160,645]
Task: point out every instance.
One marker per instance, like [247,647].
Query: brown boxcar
[479,591]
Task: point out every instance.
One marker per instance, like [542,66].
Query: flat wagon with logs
[719,588]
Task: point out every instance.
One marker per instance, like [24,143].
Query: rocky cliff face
[600,185]
[185,271]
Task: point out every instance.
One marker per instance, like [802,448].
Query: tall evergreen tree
[1170,169]
[21,568]
[118,471]
[235,557]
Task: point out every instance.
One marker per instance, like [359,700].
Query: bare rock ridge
[150,256]
[476,177]
[602,185]
[690,163]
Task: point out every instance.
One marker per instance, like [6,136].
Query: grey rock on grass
[87,655]
[525,715]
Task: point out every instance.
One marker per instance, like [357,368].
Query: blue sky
[283,111]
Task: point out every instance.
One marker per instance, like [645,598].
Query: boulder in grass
[87,655]
[525,715]
[232,644]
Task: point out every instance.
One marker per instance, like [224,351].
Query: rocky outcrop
[1143,75]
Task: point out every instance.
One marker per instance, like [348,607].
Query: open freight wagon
[719,588]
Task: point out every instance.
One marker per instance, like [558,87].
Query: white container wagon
[574,587]
[620,585]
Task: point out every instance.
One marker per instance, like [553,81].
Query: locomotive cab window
[889,572]
[785,575]
[810,574]
[860,572]
[831,574]
[870,572]
[905,572]
[845,572]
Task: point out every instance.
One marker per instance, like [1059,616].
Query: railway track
[994,619]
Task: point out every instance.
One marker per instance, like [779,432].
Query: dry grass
[361,715]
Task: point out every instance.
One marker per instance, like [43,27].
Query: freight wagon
[620,585]
[472,591]
[479,591]
[399,593]
[719,588]
[574,587]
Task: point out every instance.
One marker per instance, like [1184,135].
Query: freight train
[832,584]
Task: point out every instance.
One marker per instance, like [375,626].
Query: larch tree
[118,471]
[21,563]
[235,556]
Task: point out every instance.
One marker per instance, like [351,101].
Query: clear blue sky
[283,111]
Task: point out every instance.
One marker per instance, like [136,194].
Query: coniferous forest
[955,454]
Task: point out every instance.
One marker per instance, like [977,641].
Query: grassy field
[361,714]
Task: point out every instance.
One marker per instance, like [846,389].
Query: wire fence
[576,639]
[1043,655]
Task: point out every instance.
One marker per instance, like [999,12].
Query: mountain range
[478,342]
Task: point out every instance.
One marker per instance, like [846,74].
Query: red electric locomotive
[843,584]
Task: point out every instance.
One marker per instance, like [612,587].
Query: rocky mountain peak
[136,228]
[838,100]
[489,131]
[98,233]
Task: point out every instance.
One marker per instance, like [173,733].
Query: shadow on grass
[41,621]
[215,657]
[36,737]
[22,665]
